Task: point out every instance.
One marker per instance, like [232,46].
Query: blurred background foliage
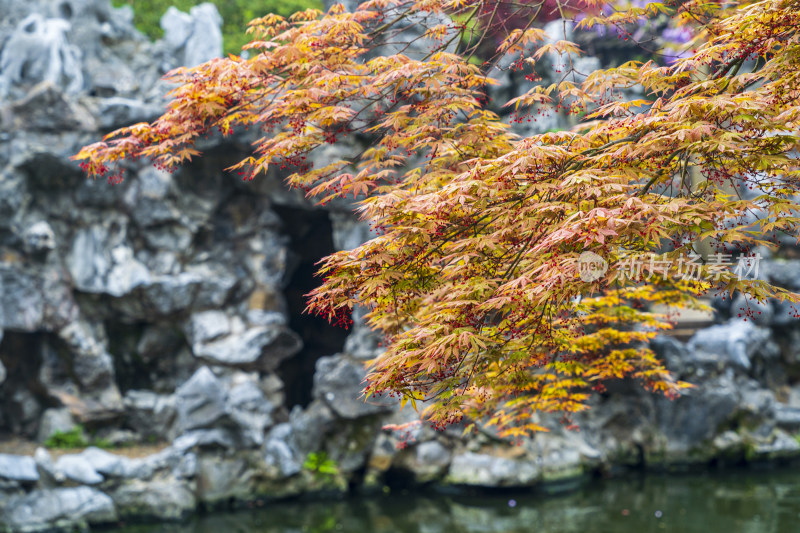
[235,15]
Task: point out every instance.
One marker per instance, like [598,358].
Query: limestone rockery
[166,313]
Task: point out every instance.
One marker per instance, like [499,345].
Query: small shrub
[74,438]
[67,439]
[320,464]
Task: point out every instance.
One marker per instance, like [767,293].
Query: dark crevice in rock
[399,479]
[65,10]
[130,369]
[22,396]
[311,239]
[356,480]
[206,177]
[145,355]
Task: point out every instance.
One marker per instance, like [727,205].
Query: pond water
[733,502]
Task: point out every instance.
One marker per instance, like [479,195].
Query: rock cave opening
[147,356]
[311,238]
[22,396]
[130,372]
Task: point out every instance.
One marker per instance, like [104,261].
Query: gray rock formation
[206,403]
[150,414]
[77,469]
[256,348]
[169,308]
[736,342]
[48,477]
[195,37]
[491,471]
[337,382]
[22,301]
[38,50]
[55,420]
[111,465]
[156,500]
[430,460]
[66,508]
[280,454]
[18,468]
[200,401]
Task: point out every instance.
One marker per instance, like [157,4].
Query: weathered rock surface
[65,508]
[154,500]
[77,469]
[259,348]
[18,468]
[488,470]
[279,453]
[150,414]
[200,401]
[428,461]
[55,421]
[195,36]
[39,50]
[736,342]
[112,465]
[337,382]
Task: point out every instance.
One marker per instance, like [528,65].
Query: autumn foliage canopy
[473,276]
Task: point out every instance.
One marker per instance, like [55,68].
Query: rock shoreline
[204,470]
[219,460]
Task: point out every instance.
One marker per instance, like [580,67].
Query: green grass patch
[75,438]
[65,440]
[235,15]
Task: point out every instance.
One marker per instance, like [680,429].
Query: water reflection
[746,502]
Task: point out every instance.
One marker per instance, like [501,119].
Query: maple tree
[473,276]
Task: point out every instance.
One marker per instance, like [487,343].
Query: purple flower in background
[677,35]
[672,36]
